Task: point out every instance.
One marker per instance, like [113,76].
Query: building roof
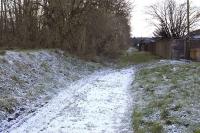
[146,40]
[195,34]
[196,37]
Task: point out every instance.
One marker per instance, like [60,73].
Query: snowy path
[99,103]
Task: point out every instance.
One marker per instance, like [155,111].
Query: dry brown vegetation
[84,27]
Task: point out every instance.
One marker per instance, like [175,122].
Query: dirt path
[98,104]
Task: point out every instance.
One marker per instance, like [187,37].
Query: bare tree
[198,15]
[96,27]
[170,19]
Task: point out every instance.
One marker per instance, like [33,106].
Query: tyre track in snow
[100,103]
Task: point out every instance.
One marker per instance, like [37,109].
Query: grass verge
[169,98]
[137,57]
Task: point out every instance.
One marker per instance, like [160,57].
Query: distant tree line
[78,26]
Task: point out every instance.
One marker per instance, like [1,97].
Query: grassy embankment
[167,98]
[30,75]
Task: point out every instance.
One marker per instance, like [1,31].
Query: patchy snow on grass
[100,103]
[167,97]
[29,79]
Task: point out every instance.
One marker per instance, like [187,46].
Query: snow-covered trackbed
[99,103]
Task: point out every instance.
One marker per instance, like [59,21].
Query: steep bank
[30,78]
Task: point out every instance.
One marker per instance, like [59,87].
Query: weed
[140,130]
[40,89]
[156,128]
[29,94]
[162,103]
[177,107]
[171,120]
[2,52]
[17,79]
[137,121]
[46,67]
[197,130]
[164,114]
[174,81]
[32,94]
[148,111]
[7,104]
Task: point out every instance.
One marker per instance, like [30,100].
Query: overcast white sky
[139,23]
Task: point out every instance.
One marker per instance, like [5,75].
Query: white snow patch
[99,103]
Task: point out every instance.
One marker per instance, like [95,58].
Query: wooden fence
[195,50]
[174,49]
